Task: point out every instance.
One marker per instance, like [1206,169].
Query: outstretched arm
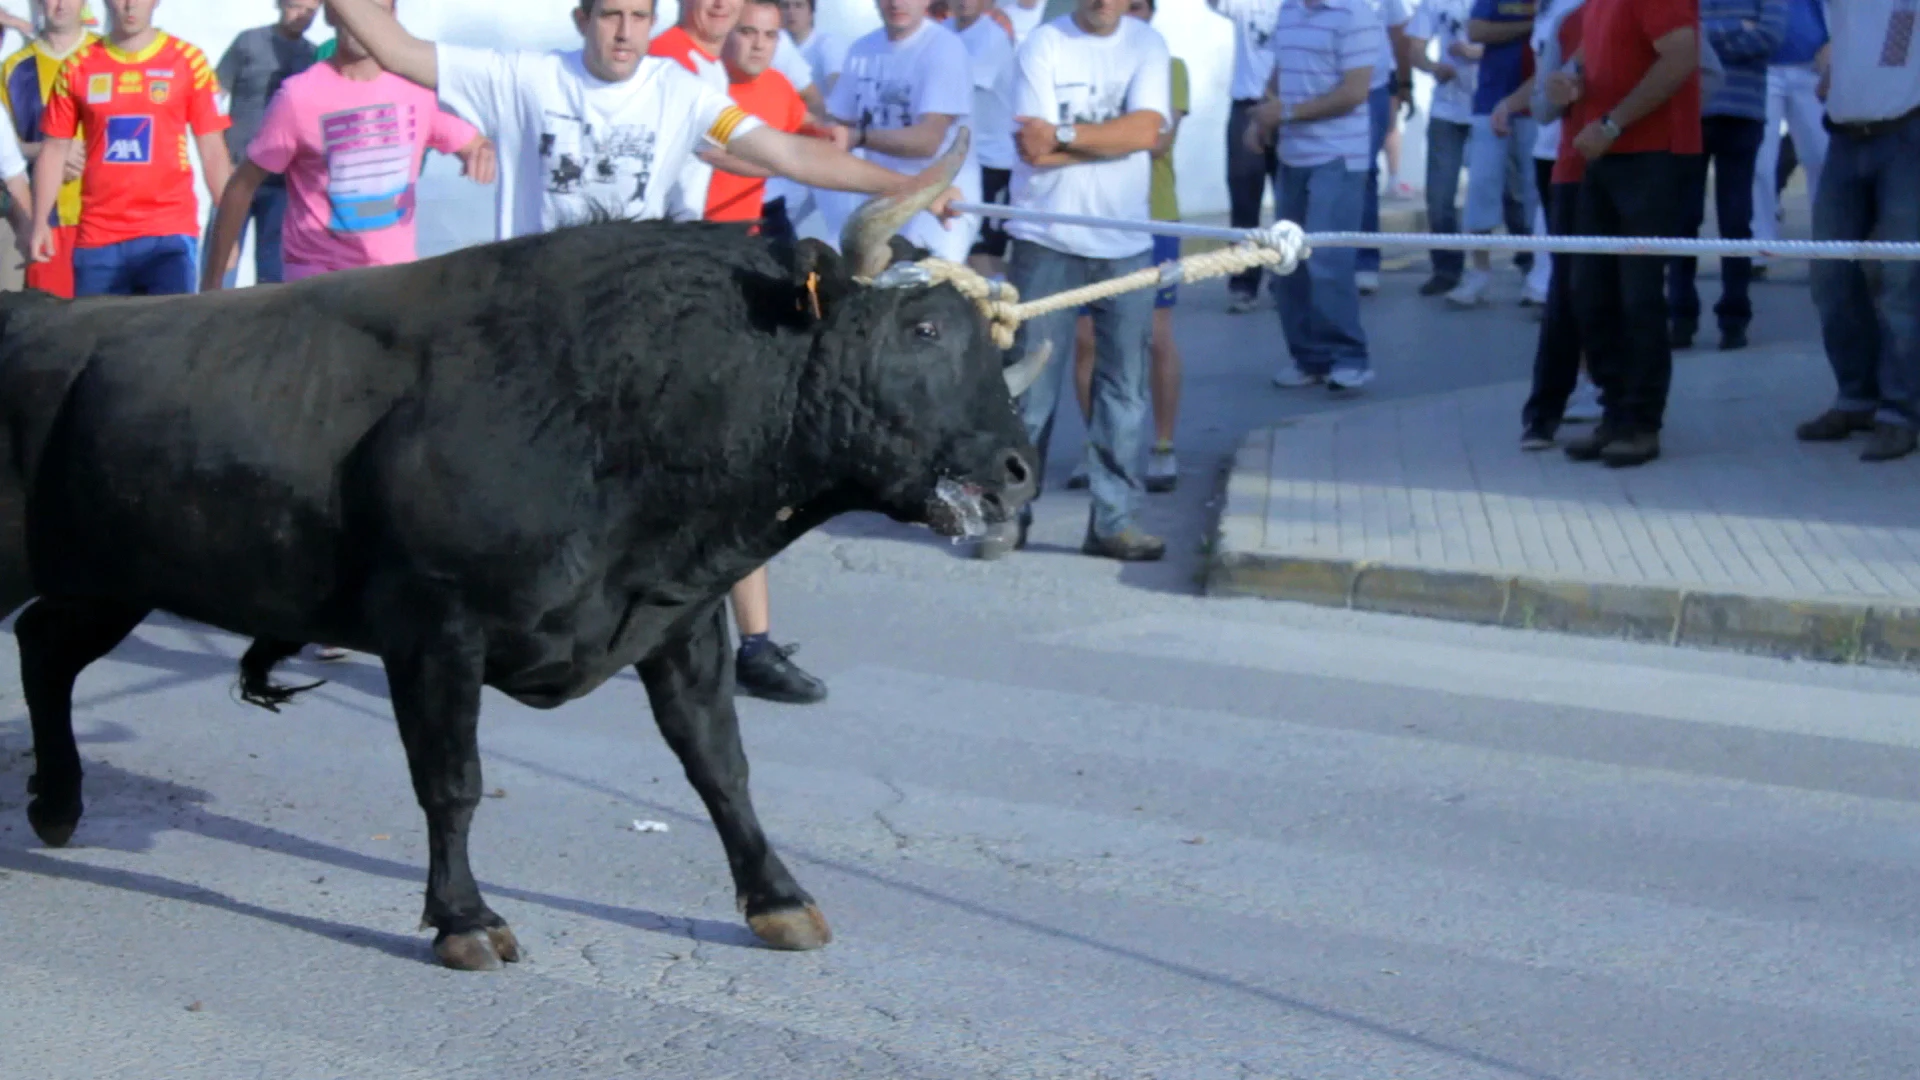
[819,163]
[389,43]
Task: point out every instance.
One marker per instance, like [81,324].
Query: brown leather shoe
[1127,545]
[1833,426]
[1890,441]
[1630,450]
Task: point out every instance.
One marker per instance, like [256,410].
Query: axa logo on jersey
[129,140]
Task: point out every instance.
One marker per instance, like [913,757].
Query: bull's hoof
[477,950]
[796,929]
[54,820]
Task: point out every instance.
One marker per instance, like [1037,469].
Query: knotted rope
[1280,246]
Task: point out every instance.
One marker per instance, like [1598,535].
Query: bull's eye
[926,331]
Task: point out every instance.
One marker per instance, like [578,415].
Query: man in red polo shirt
[761,668]
[1636,108]
[765,93]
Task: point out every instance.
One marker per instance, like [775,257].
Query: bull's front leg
[435,681]
[690,685]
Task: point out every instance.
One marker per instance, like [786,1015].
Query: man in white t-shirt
[789,204]
[904,91]
[13,173]
[1437,44]
[601,127]
[1870,190]
[1248,171]
[991,46]
[1093,95]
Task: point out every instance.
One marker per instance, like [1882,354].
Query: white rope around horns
[1279,246]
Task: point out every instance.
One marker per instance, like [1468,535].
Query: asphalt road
[1068,820]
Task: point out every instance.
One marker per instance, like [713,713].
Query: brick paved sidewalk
[1738,536]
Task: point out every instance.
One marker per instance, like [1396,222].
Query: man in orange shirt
[135,96]
[761,90]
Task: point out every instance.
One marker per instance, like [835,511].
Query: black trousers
[1620,300]
[1556,360]
[1732,145]
[1248,175]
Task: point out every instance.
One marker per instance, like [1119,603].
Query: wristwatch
[1607,125]
[1063,136]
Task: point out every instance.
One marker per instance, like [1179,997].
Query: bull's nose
[1016,476]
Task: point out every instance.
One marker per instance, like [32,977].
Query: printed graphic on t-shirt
[611,167]
[1085,103]
[370,151]
[885,103]
[129,140]
[1899,40]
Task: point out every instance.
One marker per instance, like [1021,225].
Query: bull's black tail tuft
[256,683]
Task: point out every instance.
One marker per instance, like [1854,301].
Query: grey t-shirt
[251,71]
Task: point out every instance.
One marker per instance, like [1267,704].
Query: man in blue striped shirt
[1324,52]
[1744,34]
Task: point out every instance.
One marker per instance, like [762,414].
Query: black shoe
[1537,437]
[1127,545]
[1733,337]
[1680,334]
[1834,425]
[1890,441]
[769,674]
[1439,284]
[1588,447]
[1629,450]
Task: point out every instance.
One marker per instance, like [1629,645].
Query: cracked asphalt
[1067,819]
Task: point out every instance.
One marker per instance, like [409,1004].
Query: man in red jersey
[756,87]
[137,94]
[695,44]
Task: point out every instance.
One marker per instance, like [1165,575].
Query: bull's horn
[1024,374]
[863,240]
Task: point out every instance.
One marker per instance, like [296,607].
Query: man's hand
[1466,50]
[1501,119]
[841,136]
[42,248]
[1444,73]
[1564,88]
[1593,142]
[1035,138]
[76,164]
[478,161]
[942,208]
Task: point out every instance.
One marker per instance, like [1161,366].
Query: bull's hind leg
[435,682]
[690,684]
[58,639]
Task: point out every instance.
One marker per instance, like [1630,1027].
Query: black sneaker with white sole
[770,673]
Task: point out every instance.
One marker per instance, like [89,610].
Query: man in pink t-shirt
[350,139]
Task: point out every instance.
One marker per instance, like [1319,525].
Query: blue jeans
[147,266]
[269,209]
[1122,326]
[1731,145]
[1446,156]
[1380,118]
[1320,302]
[1870,311]
[1494,164]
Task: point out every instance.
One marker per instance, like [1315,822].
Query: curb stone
[1836,631]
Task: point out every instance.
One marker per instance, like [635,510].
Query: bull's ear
[821,276]
[905,251]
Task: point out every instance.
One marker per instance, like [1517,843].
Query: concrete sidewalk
[1739,536]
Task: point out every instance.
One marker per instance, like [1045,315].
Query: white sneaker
[1533,295]
[1293,379]
[1472,290]
[1349,378]
[1368,280]
[1583,405]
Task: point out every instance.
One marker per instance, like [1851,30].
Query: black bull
[524,465]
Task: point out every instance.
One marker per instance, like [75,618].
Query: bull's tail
[16,581]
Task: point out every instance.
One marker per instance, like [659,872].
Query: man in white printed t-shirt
[789,204]
[991,46]
[905,91]
[1093,95]
[1870,190]
[602,126]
